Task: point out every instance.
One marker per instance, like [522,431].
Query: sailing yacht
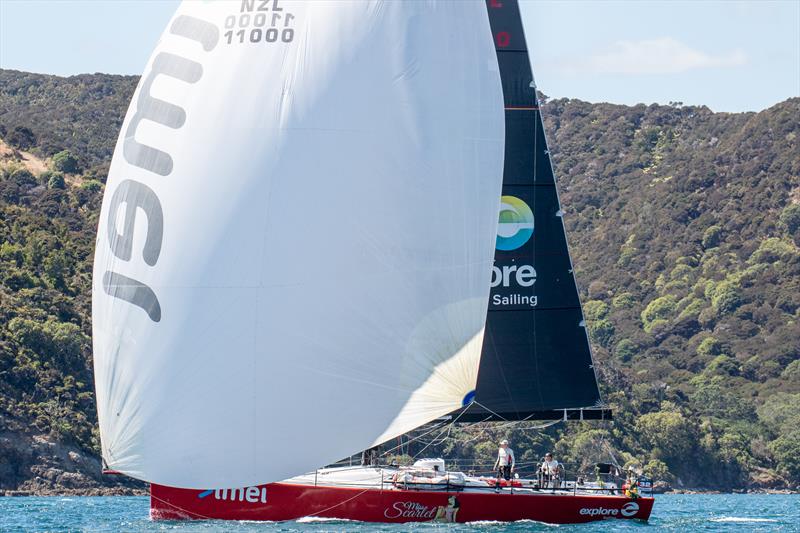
[300,256]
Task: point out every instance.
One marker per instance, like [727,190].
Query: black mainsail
[536,361]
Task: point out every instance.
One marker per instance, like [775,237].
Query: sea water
[680,512]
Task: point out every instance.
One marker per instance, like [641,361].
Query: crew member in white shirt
[549,468]
[505,461]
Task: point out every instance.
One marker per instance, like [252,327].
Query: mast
[536,361]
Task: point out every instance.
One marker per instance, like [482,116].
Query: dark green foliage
[65,161]
[625,350]
[786,449]
[602,331]
[21,137]
[683,226]
[82,114]
[688,218]
[670,435]
[56,181]
[91,186]
[712,236]
[23,178]
[46,242]
[790,218]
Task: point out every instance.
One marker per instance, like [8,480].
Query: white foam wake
[310,519]
[741,519]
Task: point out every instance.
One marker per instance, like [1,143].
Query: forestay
[297,235]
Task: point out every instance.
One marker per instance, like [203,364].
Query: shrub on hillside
[712,237]
[595,310]
[709,347]
[790,219]
[65,161]
[786,450]
[625,350]
[21,138]
[56,181]
[661,308]
[727,297]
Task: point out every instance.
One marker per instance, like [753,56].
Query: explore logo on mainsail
[512,284]
[515,227]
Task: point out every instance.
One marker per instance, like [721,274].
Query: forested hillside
[684,227]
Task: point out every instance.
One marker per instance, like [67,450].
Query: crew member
[505,461]
[549,468]
[631,487]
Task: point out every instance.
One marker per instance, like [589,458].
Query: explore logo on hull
[627,511]
[245,494]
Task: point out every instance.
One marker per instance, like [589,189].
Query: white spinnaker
[327,211]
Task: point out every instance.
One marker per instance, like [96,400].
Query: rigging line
[484,429]
[479,404]
[611,453]
[449,426]
[482,432]
[538,123]
[181,509]
[434,428]
[345,501]
[507,424]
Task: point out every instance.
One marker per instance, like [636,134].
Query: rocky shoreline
[40,465]
[97,491]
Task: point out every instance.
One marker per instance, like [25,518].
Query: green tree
[59,343]
[56,268]
[623,300]
[668,434]
[92,186]
[727,297]
[22,138]
[786,450]
[723,365]
[23,178]
[713,397]
[712,236]
[65,161]
[602,331]
[773,249]
[780,412]
[792,372]
[658,471]
[709,347]
[595,309]
[625,350]
[661,308]
[790,219]
[56,181]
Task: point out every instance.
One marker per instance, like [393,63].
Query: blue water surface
[680,512]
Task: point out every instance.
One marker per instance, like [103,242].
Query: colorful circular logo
[516,223]
[629,509]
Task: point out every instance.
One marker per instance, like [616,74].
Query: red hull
[281,501]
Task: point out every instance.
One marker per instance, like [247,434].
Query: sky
[731,55]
